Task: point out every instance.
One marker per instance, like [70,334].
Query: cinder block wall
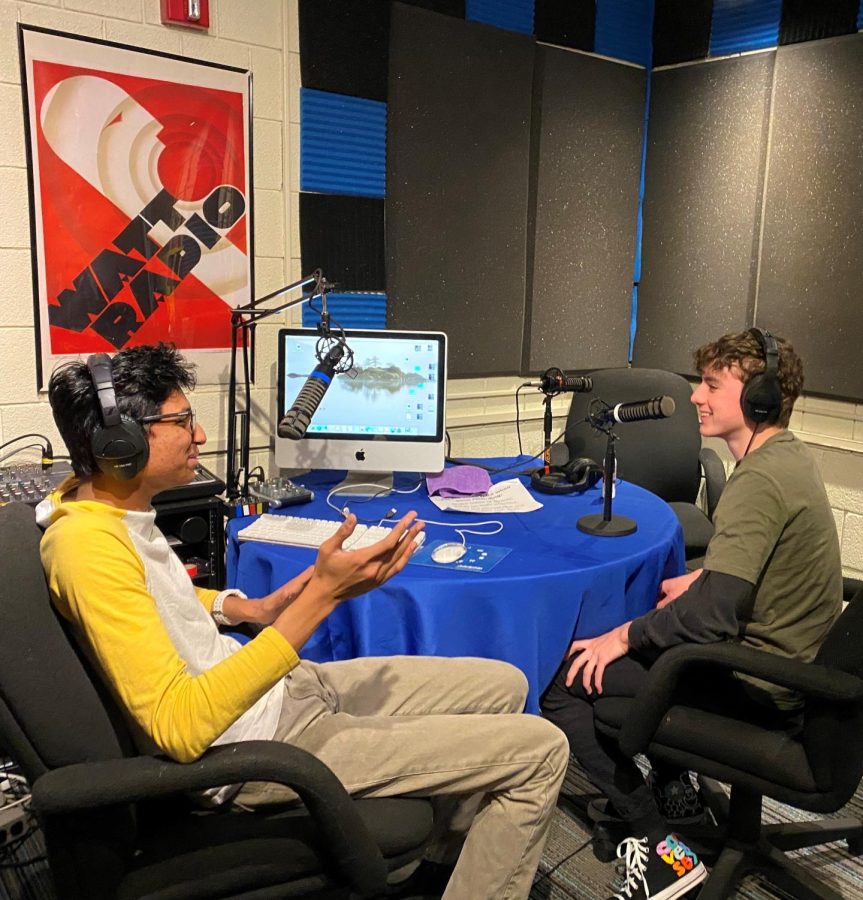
[263,36]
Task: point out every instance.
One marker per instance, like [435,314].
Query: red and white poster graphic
[140,196]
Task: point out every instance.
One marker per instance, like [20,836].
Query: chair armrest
[656,695]
[714,477]
[85,786]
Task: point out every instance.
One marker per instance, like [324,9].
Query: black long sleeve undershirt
[713,608]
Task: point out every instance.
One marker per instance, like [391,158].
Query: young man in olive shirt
[771,579]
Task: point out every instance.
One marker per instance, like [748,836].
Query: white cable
[381,492]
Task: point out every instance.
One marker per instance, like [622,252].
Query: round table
[556,582]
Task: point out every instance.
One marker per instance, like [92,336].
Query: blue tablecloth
[557,582]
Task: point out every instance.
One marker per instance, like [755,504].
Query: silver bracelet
[216,612]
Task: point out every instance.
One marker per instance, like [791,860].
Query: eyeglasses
[185,417]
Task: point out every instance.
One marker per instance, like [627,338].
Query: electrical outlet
[13,823]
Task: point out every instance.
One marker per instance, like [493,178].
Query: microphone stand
[244,318]
[607,525]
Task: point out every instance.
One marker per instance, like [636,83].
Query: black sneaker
[678,800]
[663,871]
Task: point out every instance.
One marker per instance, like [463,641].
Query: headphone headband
[119,444]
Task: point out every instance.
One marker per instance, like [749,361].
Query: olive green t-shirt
[775,529]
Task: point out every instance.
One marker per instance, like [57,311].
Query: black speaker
[119,444]
[574,477]
[761,398]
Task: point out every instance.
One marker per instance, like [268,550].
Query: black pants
[616,775]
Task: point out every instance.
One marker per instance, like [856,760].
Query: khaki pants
[425,726]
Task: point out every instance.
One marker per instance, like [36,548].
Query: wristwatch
[216,612]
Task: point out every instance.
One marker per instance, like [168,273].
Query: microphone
[296,420]
[555,381]
[639,411]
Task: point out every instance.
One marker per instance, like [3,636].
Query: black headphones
[761,398]
[575,476]
[119,444]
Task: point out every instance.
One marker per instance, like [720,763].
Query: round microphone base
[616,526]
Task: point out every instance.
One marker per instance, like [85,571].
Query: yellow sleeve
[206,596]
[97,581]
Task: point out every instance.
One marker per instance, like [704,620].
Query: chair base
[750,847]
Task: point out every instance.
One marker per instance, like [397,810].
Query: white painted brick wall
[482,412]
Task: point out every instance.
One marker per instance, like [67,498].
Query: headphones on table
[574,477]
[119,444]
[761,398]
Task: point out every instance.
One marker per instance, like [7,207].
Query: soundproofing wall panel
[707,141]
[447,7]
[514,15]
[681,30]
[623,30]
[344,236]
[342,144]
[567,23]
[812,20]
[739,27]
[812,257]
[457,185]
[343,46]
[588,164]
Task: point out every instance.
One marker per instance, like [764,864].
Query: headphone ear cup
[573,478]
[761,399]
[121,451]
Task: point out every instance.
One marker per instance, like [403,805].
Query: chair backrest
[833,733]
[660,455]
[51,712]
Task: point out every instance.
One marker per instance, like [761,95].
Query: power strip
[13,823]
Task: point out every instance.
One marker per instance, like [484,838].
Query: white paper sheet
[509,496]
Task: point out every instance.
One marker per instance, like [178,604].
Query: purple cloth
[459,481]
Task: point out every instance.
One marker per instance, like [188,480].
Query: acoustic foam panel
[457,187]
[514,15]
[343,46]
[812,256]
[707,139]
[343,143]
[739,27]
[344,236]
[567,23]
[623,30]
[811,20]
[681,30]
[589,159]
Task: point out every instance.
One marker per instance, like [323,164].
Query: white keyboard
[298,531]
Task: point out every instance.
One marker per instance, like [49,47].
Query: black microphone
[639,411]
[296,420]
[555,381]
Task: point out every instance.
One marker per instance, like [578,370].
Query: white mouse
[448,553]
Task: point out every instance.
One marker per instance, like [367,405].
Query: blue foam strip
[624,30]
[343,144]
[359,310]
[741,25]
[513,15]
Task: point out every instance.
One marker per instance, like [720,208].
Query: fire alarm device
[194,13]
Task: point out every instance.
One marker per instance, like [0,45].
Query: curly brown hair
[743,352]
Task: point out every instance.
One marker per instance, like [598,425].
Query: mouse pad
[477,558]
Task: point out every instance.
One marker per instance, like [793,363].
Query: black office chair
[818,769]
[664,456]
[117,824]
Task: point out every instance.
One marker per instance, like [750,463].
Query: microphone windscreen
[667,406]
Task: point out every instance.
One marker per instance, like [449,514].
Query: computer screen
[386,415]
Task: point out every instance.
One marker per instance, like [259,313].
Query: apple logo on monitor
[360,455]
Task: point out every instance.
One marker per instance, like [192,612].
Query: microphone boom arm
[244,318]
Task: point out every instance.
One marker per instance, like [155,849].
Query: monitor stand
[365,484]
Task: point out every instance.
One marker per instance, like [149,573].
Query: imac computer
[386,415]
